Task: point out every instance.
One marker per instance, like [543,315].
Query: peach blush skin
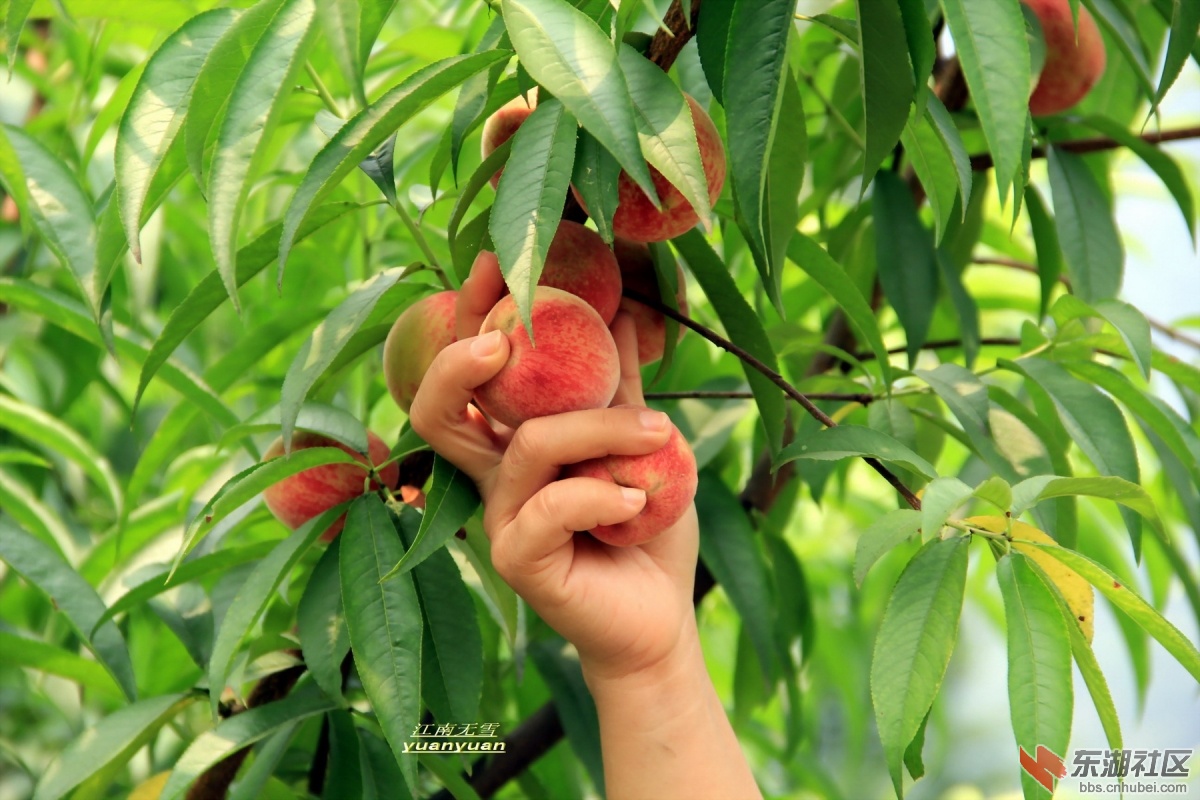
[637,273]
[500,126]
[299,498]
[579,262]
[420,332]
[1072,68]
[574,366]
[636,217]
[668,477]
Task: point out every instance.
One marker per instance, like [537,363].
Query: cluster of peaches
[574,364]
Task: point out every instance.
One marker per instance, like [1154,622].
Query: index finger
[442,413]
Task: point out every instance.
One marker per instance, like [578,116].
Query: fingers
[542,446]
[629,390]
[441,412]
[535,552]
[479,292]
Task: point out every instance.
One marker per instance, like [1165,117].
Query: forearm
[665,734]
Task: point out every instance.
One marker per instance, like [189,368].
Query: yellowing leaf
[151,788]
[1075,590]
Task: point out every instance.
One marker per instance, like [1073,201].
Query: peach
[579,262]
[668,476]
[636,217]
[573,367]
[299,498]
[500,126]
[420,332]
[1074,60]
[637,273]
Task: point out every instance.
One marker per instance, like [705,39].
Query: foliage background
[54,359]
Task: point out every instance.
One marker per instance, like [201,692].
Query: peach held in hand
[299,498]
[668,476]
[636,217]
[419,334]
[1073,63]
[574,366]
[637,273]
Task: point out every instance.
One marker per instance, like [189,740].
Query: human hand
[627,610]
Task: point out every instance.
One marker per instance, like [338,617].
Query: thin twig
[1095,144]
[775,378]
[861,398]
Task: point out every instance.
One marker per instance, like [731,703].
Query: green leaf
[913,647]
[940,498]
[351,27]
[188,571]
[595,177]
[754,81]
[529,200]
[1094,423]
[666,132]
[886,78]
[567,53]
[996,491]
[785,177]
[563,676]
[1123,29]
[110,114]
[34,516]
[1135,607]
[329,421]
[242,730]
[1084,220]
[1155,158]
[729,549]
[47,190]
[321,623]
[881,536]
[452,653]
[742,325]
[1185,25]
[473,98]
[922,50]
[14,21]
[207,295]
[1089,669]
[1040,697]
[22,651]
[1045,241]
[947,131]
[111,741]
[990,40]
[451,501]
[156,112]
[51,433]
[252,782]
[214,83]
[1032,491]
[964,306]
[381,776]
[255,106]
[846,441]
[933,165]
[345,776]
[712,43]
[833,278]
[254,595]
[319,350]
[73,596]
[470,190]
[905,259]
[384,620]
[250,483]
[368,129]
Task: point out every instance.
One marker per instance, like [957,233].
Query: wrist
[681,665]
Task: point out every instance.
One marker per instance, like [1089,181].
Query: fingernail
[485,345]
[632,497]
[654,420]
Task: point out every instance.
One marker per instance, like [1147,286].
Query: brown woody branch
[1095,144]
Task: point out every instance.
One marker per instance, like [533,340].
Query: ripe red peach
[500,126]
[668,476]
[636,217]
[297,499]
[637,273]
[574,366]
[418,334]
[1074,61]
[579,262]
